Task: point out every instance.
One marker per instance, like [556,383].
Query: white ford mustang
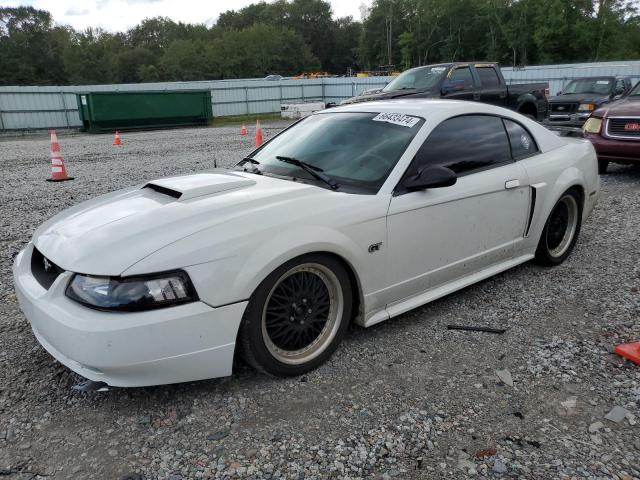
[357,213]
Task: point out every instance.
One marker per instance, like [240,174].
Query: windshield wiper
[310,169]
[253,163]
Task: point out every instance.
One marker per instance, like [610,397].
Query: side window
[464,144]
[488,77]
[462,76]
[522,143]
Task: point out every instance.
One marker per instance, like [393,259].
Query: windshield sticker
[602,82]
[524,140]
[438,69]
[397,119]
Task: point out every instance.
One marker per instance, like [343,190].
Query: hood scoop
[186,187]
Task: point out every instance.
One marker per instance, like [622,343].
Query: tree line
[288,37]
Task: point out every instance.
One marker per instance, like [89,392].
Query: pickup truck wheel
[561,231]
[297,316]
[602,166]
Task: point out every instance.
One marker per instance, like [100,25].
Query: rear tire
[561,230]
[602,166]
[297,316]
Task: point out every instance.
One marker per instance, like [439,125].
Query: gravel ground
[405,399]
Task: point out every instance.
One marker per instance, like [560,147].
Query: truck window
[463,77]
[488,77]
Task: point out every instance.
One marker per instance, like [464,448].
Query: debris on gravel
[404,399]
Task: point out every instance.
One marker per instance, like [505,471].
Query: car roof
[435,111]
[422,107]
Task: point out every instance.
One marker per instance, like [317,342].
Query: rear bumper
[170,345]
[614,150]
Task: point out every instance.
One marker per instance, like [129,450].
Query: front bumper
[170,345]
[615,150]
[566,123]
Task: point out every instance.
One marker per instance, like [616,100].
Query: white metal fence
[56,107]
[24,108]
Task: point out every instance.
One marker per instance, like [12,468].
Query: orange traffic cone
[58,172]
[259,136]
[630,351]
[117,140]
[243,130]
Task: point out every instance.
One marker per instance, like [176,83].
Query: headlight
[132,293]
[592,125]
[586,107]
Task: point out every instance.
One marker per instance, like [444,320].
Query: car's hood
[580,98]
[108,234]
[625,106]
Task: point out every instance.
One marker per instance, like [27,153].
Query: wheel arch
[354,278]
[527,107]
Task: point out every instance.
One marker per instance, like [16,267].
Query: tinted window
[464,144]
[463,77]
[488,77]
[522,143]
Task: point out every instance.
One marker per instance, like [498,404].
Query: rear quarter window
[522,143]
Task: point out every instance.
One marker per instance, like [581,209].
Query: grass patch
[248,119]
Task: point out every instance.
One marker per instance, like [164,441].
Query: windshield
[421,78]
[356,150]
[589,85]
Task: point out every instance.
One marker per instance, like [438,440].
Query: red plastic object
[630,351]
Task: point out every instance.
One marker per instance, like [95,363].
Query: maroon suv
[614,130]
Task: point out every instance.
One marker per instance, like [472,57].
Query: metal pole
[1,121]
[323,96]
[246,99]
[303,97]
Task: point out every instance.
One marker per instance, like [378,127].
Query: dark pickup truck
[571,107]
[480,82]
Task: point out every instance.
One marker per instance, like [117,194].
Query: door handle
[511,184]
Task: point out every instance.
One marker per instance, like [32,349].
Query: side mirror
[431,177]
[559,92]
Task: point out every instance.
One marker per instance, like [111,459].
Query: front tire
[297,316]
[561,231]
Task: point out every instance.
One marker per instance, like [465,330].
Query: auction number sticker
[397,119]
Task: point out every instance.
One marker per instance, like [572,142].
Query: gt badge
[47,264]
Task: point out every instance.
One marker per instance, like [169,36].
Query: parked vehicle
[614,131]
[572,106]
[481,82]
[358,213]
[274,77]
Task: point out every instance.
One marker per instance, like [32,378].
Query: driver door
[439,235]
[460,84]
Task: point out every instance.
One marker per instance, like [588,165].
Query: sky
[120,15]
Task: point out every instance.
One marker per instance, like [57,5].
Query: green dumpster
[149,109]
